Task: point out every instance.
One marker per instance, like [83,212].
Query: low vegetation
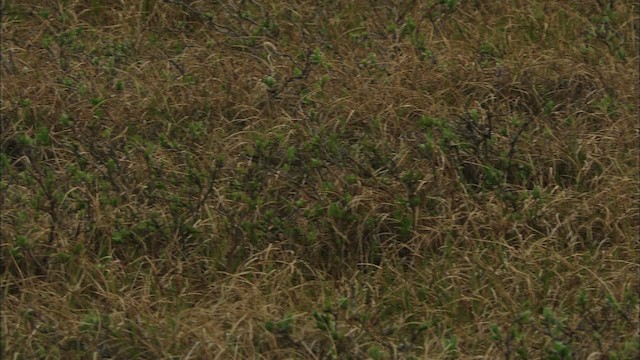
[319,180]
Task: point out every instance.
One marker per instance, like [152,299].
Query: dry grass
[350,180]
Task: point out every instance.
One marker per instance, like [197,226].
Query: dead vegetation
[349,180]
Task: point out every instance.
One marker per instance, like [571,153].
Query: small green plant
[269,81]
[42,137]
[282,326]
[451,346]
[409,27]
[558,351]
[376,353]
[318,58]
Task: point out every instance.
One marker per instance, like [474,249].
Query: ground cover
[348,180]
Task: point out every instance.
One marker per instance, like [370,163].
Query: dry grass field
[438,179]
